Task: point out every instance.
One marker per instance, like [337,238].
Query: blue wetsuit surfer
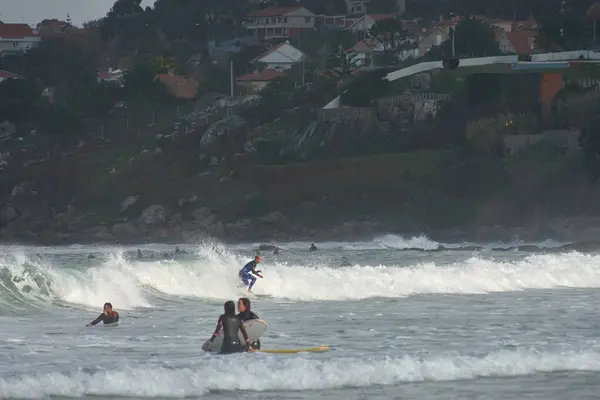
[246,273]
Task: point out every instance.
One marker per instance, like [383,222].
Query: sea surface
[410,319]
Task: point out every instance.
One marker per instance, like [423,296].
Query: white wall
[16,45]
[472,62]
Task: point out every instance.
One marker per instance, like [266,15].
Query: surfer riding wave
[247,273]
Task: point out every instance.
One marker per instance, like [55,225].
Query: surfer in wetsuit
[108,316]
[313,247]
[230,326]
[245,314]
[246,273]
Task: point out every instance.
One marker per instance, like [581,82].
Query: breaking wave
[212,274]
[227,374]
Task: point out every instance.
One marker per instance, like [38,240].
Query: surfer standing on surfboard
[246,273]
[108,316]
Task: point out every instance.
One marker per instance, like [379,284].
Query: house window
[307,20]
[15,44]
[279,20]
[285,19]
[273,21]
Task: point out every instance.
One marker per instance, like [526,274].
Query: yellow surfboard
[320,349]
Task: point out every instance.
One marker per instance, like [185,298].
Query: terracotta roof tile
[15,31]
[522,41]
[265,75]
[380,17]
[180,86]
[7,75]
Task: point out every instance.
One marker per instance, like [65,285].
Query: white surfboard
[255,328]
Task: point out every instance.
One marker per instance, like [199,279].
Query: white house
[17,38]
[280,22]
[115,76]
[4,75]
[356,7]
[280,57]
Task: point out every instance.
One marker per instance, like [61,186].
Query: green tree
[141,85]
[125,8]
[392,34]
[20,100]
[340,61]
[472,38]
[567,32]
[590,142]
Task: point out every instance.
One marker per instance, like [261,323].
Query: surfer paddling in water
[108,316]
[246,273]
[230,325]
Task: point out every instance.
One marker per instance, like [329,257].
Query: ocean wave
[415,243]
[259,373]
[213,275]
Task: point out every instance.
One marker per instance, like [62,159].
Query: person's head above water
[107,307]
[229,308]
[258,259]
[243,304]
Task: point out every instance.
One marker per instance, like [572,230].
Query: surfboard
[111,325]
[320,349]
[255,328]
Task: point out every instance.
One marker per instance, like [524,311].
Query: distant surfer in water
[108,316]
[313,247]
[230,326]
[345,262]
[245,315]
[246,273]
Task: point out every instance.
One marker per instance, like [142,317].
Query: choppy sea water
[411,319]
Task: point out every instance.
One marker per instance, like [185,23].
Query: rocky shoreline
[27,219]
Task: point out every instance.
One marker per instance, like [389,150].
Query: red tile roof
[522,41]
[7,75]
[379,17]
[274,11]
[180,86]
[264,76]
[530,24]
[15,31]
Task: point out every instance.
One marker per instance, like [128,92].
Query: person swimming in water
[230,326]
[245,315]
[246,273]
[179,251]
[313,247]
[345,262]
[107,317]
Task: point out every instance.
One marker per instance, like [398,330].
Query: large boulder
[125,230]
[128,202]
[153,216]
[8,214]
[221,130]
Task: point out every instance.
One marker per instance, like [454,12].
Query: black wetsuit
[245,316]
[107,318]
[231,342]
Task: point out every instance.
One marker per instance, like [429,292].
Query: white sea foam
[272,373]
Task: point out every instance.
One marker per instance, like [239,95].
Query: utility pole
[562,18]
[231,77]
